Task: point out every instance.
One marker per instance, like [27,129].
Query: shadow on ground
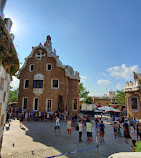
[43,132]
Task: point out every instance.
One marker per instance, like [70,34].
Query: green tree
[121,96]
[83,93]
[13,95]
[138,147]
[88,100]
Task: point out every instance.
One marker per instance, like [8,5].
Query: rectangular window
[25,103]
[134,103]
[38,84]
[26,83]
[49,67]
[75,104]
[36,104]
[49,105]
[55,84]
[1,83]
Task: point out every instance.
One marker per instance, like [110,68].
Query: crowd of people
[84,124]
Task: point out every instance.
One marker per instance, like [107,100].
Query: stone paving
[37,140]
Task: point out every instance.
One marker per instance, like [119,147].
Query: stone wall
[4,96]
[130,111]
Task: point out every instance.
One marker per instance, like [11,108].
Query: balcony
[37,91]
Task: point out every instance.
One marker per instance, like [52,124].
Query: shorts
[115,130]
[101,133]
[89,134]
[57,127]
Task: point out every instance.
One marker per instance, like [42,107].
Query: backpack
[102,128]
[77,128]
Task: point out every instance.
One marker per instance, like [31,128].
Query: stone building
[133,96]
[105,100]
[47,84]
[9,64]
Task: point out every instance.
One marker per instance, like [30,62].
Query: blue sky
[100,39]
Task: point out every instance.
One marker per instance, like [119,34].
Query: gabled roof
[67,69]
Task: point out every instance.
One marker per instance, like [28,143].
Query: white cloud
[123,71]
[83,78]
[103,82]
[15,83]
[119,86]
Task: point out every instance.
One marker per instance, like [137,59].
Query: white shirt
[39,113]
[57,122]
[80,127]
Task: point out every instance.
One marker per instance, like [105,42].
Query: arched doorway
[60,103]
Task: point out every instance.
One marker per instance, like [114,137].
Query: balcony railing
[38,91]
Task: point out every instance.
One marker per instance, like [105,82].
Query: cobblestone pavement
[37,140]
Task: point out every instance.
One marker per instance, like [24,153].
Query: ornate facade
[133,96]
[9,64]
[47,84]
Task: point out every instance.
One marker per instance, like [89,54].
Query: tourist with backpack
[102,127]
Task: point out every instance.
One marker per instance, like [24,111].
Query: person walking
[21,120]
[115,128]
[80,130]
[57,125]
[126,132]
[89,130]
[134,123]
[102,131]
[96,125]
[69,126]
[26,116]
[7,118]
[119,131]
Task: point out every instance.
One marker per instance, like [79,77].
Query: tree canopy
[83,93]
[121,96]
[88,100]
[13,95]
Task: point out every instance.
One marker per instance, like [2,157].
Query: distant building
[133,96]
[105,100]
[46,84]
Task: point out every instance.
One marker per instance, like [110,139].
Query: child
[69,126]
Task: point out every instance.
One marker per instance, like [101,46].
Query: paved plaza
[37,140]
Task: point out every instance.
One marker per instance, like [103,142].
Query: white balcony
[38,91]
